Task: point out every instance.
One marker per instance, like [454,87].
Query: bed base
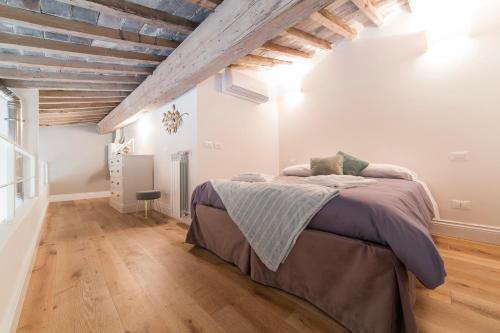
[361,285]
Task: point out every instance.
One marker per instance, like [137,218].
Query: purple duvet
[391,212]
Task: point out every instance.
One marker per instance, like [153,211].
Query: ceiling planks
[79,100]
[9,73]
[56,24]
[73,71]
[219,41]
[137,12]
[64,85]
[334,23]
[309,39]
[70,105]
[37,44]
[80,94]
[257,60]
[74,65]
[288,51]
[370,11]
[208,4]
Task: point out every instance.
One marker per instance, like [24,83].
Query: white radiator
[179,192]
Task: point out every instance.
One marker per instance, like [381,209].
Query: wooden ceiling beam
[65,118]
[207,4]
[309,39]
[242,66]
[78,100]
[50,116]
[71,115]
[143,14]
[74,65]
[288,51]
[57,106]
[11,73]
[257,60]
[69,123]
[80,94]
[370,11]
[63,85]
[19,42]
[50,23]
[334,23]
[234,30]
[70,110]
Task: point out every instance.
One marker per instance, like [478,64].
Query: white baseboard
[79,196]
[165,208]
[162,207]
[469,231]
[124,209]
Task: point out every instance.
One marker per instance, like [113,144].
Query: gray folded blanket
[272,215]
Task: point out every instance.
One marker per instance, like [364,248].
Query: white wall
[17,252]
[18,238]
[247,133]
[76,157]
[150,137]
[385,98]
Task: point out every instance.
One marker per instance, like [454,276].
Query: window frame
[28,178]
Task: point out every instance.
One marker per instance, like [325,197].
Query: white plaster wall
[247,133]
[76,157]
[150,137]
[385,98]
[18,238]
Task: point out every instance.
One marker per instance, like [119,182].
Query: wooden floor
[100,271]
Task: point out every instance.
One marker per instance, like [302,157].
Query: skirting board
[78,196]
[164,208]
[469,231]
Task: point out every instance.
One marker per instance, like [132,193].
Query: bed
[356,260]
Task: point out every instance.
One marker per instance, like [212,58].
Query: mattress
[394,213]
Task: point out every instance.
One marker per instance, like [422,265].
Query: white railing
[17,178]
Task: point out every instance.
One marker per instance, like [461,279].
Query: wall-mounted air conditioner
[243,86]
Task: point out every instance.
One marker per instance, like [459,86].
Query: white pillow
[300,170]
[379,170]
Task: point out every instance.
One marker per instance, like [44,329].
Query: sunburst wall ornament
[172,120]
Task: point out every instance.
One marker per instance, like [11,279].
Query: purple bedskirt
[392,212]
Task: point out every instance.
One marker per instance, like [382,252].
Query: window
[17,167]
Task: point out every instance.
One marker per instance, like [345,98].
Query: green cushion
[352,165]
[327,166]
[147,195]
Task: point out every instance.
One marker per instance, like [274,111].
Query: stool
[147,196]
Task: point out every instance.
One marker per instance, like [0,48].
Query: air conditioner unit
[243,86]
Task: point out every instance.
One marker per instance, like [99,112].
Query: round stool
[147,196]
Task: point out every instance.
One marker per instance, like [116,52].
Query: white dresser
[129,174]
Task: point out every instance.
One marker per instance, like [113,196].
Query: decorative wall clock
[172,120]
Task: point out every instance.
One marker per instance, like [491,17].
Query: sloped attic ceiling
[87,56]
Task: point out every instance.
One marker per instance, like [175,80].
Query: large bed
[356,260]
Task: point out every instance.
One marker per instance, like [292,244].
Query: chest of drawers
[129,174]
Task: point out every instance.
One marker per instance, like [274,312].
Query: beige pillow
[333,165]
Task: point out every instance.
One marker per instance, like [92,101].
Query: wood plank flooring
[100,271]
